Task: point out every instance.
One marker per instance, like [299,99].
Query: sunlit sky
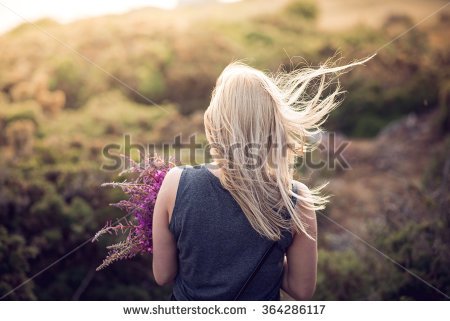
[15,12]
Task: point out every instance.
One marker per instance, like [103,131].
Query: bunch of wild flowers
[137,224]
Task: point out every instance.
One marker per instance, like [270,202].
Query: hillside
[395,198]
[392,164]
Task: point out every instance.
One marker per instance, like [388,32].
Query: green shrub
[20,136]
[15,254]
[342,275]
[70,76]
[306,9]
[150,83]
[255,37]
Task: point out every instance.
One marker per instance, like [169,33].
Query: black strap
[250,278]
[266,254]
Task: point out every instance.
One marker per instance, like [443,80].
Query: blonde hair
[274,115]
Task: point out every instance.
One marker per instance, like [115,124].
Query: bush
[306,9]
[20,136]
[28,112]
[342,275]
[14,266]
[150,83]
[69,75]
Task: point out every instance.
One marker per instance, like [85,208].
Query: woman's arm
[165,264]
[300,265]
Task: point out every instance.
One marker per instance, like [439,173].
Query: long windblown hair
[256,124]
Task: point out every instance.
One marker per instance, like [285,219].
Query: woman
[241,228]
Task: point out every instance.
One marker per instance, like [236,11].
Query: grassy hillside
[176,56]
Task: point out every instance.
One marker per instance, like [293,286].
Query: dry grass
[343,14]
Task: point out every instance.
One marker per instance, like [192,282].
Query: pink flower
[139,206]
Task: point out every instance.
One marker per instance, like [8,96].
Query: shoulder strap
[261,261]
[258,267]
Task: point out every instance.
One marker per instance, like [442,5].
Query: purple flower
[139,206]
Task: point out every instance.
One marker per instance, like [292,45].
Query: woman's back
[217,247]
[255,126]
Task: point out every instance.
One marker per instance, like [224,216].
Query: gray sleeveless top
[217,247]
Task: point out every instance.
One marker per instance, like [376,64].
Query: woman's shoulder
[174,175]
[171,182]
